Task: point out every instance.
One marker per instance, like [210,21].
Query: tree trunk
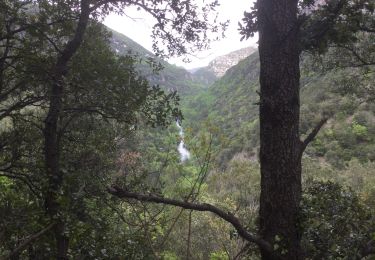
[51,132]
[280,146]
[188,248]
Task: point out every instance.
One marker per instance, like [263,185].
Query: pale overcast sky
[138,27]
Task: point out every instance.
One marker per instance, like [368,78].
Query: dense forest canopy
[282,146]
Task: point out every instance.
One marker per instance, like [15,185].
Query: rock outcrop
[221,64]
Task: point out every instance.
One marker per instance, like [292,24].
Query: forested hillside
[155,69]
[231,103]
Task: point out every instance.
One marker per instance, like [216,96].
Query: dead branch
[29,240]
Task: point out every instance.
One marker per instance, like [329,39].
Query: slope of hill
[170,77]
[205,76]
[221,64]
[218,66]
[230,104]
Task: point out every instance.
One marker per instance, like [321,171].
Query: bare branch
[27,101]
[313,134]
[227,216]
[29,240]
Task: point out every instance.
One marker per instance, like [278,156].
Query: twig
[30,240]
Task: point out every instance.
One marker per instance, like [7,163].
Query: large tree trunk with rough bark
[280,146]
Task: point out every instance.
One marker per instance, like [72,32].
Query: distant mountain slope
[205,76]
[217,67]
[230,105]
[171,77]
[221,64]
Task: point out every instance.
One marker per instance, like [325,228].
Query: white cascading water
[184,153]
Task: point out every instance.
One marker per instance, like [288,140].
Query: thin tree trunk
[188,248]
[280,146]
[51,146]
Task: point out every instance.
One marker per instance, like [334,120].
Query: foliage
[336,224]
[323,23]
[104,101]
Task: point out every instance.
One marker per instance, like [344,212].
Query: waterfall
[184,153]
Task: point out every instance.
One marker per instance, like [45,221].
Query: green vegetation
[160,72]
[232,103]
[88,139]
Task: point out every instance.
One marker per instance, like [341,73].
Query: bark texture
[280,146]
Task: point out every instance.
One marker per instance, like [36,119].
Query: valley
[220,118]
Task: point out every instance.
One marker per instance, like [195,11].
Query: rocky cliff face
[221,64]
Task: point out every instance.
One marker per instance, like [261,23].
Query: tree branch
[227,216]
[313,134]
[21,177]
[29,240]
[361,59]
[367,29]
